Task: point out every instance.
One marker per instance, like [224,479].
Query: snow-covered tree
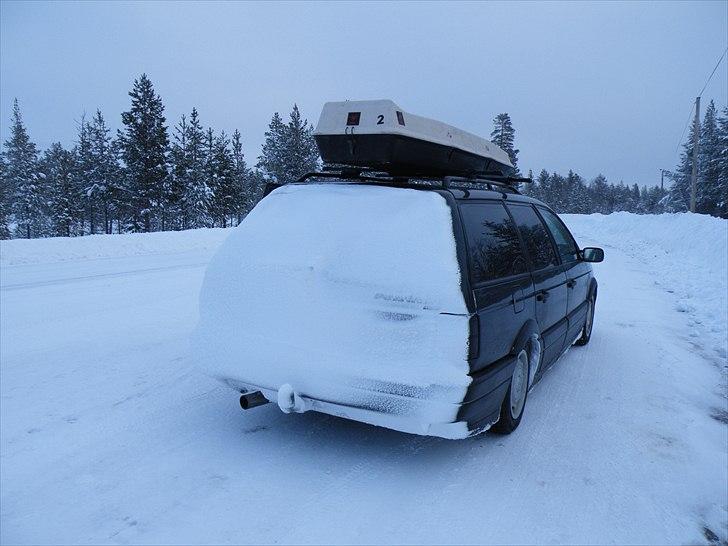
[64,201]
[599,190]
[289,150]
[503,135]
[301,151]
[721,159]
[708,195]
[83,168]
[272,160]
[197,192]
[679,195]
[5,200]
[240,178]
[539,188]
[103,188]
[210,177]
[24,182]
[143,144]
[223,205]
[180,165]
[710,191]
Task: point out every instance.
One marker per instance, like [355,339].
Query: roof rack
[494,181]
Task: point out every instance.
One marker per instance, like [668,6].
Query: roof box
[379,135]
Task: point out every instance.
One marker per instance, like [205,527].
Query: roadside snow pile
[339,292]
[687,255]
[65,249]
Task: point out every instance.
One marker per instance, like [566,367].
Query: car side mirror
[592,254]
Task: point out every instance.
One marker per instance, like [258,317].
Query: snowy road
[109,435]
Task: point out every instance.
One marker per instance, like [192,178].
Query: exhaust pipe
[252,400]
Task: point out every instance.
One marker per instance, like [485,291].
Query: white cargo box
[378,134]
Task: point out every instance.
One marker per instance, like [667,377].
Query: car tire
[514,402]
[588,324]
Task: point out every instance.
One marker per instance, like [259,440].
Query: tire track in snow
[100,276]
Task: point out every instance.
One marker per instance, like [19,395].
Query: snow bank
[339,292]
[687,255]
[65,249]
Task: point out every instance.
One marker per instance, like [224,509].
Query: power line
[692,106]
[713,72]
[690,115]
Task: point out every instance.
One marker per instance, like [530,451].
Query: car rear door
[549,279]
[499,276]
[578,273]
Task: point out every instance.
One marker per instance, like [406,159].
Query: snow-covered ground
[110,435]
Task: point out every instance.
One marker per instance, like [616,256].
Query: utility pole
[664,172]
[696,151]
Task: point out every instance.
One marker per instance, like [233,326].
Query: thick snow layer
[687,255]
[65,249]
[341,292]
[109,434]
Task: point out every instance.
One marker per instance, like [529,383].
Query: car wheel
[515,399]
[588,325]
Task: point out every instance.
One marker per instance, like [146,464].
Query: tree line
[573,194]
[143,179]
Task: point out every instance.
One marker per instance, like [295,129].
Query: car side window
[493,243]
[564,241]
[537,240]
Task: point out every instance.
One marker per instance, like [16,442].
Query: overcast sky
[593,87]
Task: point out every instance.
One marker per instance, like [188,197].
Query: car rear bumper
[386,409]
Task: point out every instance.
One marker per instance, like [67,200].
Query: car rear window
[493,243]
[535,236]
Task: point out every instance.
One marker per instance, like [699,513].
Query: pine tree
[301,151]
[225,187]
[708,195]
[197,192]
[541,186]
[23,181]
[210,174]
[719,162]
[180,165]
[144,143]
[271,160]
[577,197]
[5,200]
[599,191]
[103,188]
[289,150]
[64,203]
[83,174]
[503,135]
[241,178]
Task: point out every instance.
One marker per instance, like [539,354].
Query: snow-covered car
[416,303]
[423,309]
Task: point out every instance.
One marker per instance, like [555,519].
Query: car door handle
[543,295]
[571,283]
